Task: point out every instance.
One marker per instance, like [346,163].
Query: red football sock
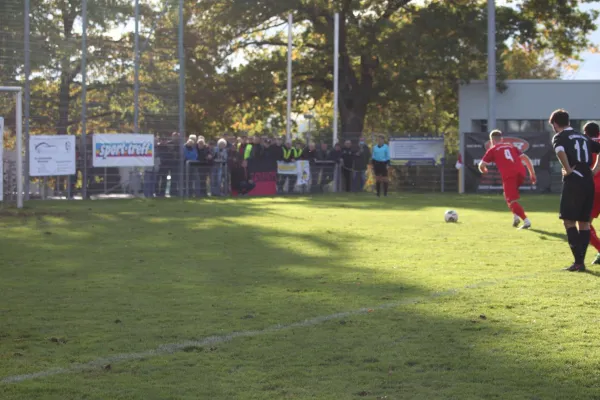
[594,241]
[518,210]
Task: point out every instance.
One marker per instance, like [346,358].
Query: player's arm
[487,159]
[529,165]
[483,167]
[562,156]
[595,148]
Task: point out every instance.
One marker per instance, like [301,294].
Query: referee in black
[574,151]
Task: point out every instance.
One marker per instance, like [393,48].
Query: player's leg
[512,196]
[594,240]
[585,218]
[571,205]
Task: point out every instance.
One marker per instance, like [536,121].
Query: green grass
[482,310]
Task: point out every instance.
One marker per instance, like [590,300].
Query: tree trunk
[63,99]
[353,112]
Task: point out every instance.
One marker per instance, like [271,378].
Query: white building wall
[529,99]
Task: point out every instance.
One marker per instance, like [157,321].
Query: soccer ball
[451,216]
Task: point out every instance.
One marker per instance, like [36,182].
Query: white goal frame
[19,123]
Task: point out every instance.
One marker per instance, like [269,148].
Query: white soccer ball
[451,216]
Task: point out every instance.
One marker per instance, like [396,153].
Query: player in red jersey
[592,130]
[509,160]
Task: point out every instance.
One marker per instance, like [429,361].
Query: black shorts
[577,198]
[380,168]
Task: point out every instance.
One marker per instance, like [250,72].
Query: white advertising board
[51,155]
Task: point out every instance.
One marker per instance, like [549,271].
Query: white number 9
[508,155]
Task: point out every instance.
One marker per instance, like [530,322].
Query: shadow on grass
[186,270]
[544,234]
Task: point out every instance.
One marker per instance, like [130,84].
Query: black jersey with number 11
[578,148]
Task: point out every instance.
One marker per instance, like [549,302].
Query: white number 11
[585,150]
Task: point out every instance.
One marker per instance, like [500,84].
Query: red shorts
[511,186]
[596,208]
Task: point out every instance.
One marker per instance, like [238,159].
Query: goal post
[18,91]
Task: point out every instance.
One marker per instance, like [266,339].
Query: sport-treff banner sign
[536,145]
[123,150]
[51,155]
[417,150]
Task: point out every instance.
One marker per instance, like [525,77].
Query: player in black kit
[574,151]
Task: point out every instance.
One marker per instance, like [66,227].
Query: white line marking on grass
[178,347]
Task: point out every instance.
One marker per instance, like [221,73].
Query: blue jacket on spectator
[190,153]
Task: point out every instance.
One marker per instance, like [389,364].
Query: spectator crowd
[217,166]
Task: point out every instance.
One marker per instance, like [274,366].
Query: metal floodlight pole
[19,150]
[491,49]
[181,99]
[27,95]
[84,97]
[336,75]
[136,69]
[288,132]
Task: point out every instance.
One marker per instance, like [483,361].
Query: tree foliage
[398,58]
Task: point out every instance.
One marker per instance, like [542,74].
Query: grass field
[474,310]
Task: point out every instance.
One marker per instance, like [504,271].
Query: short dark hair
[592,129]
[560,117]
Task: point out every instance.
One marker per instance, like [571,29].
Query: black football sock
[378,185]
[584,241]
[573,238]
[385,188]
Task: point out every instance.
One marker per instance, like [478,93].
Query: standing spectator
[230,139]
[239,177]
[336,153]
[205,158]
[275,154]
[257,148]
[219,167]
[347,165]
[362,157]
[323,152]
[298,150]
[190,154]
[243,145]
[288,157]
[325,171]
[190,151]
[310,153]
[248,149]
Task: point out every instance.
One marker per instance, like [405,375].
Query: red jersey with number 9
[507,159]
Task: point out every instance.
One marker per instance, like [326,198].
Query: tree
[389,49]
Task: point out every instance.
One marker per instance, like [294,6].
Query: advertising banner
[417,150]
[264,174]
[536,145]
[123,150]
[51,155]
[284,168]
[300,168]
[303,168]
